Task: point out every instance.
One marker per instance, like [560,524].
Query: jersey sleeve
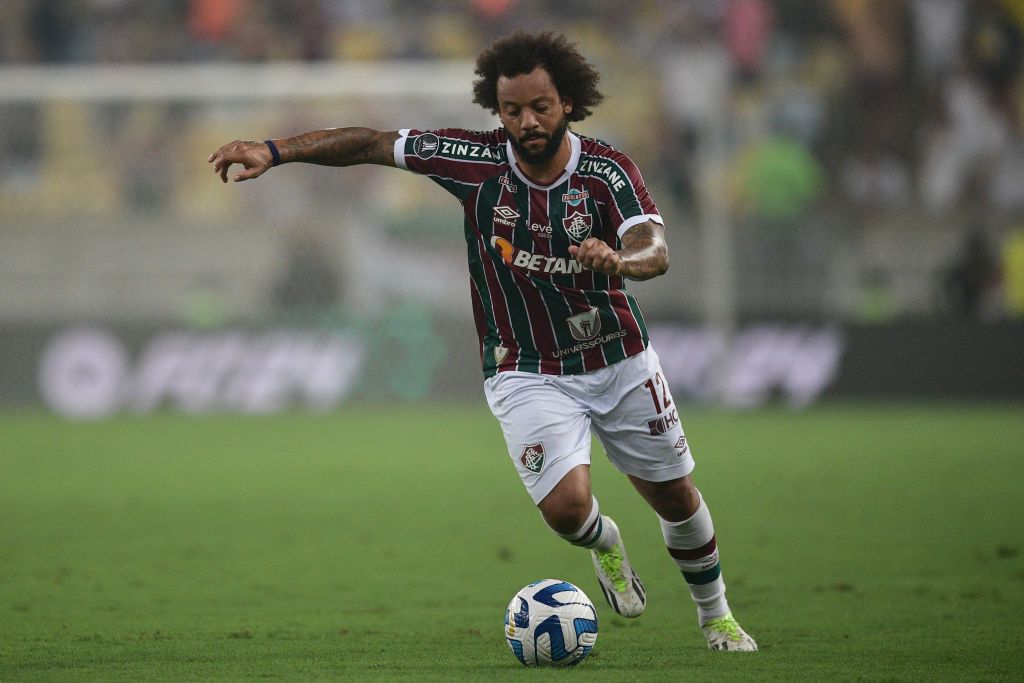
[457,160]
[631,203]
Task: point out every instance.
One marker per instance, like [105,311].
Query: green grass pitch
[858,542]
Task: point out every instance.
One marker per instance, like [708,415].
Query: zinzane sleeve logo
[456,159]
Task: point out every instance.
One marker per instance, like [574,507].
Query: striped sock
[691,543]
[594,533]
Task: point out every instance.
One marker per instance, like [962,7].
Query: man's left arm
[644,253]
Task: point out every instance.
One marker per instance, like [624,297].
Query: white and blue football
[551,623]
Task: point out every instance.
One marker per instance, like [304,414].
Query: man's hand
[595,254]
[254,156]
[644,253]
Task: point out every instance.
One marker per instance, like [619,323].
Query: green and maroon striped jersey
[536,308]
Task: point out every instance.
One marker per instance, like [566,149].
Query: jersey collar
[570,168]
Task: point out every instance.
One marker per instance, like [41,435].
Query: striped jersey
[536,309]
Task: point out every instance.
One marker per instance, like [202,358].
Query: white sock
[692,544]
[595,533]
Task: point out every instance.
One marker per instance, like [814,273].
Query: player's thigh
[546,430]
[642,433]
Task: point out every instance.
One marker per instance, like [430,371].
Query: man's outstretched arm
[331,147]
[644,253]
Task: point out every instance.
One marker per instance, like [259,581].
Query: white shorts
[547,418]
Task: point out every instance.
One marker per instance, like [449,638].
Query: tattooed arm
[644,253]
[331,147]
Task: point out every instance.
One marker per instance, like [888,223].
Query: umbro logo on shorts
[533,457]
[681,446]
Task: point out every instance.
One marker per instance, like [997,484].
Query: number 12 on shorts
[652,384]
[657,385]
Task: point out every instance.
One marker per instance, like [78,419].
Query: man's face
[533,115]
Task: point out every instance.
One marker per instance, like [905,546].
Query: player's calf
[692,544]
[621,587]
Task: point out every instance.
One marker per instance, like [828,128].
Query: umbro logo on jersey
[505,215]
[533,457]
[425,145]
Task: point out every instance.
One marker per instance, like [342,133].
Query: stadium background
[842,181]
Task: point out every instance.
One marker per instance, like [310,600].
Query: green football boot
[622,588]
[724,634]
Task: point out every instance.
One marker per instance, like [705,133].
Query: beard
[548,151]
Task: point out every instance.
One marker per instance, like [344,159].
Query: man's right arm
[330,147]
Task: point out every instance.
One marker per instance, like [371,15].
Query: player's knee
[566,507]
[674,500]
[565,514]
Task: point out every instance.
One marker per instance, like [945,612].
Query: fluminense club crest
[578,226]
[577,222]
[585,326]
[533,457]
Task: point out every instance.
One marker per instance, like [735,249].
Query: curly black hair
[521,53]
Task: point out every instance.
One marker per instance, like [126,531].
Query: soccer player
[555,222]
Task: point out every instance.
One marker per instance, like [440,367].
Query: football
[551,623]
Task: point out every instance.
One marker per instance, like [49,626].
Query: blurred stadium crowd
[877,145]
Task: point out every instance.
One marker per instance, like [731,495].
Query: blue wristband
[273,152]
